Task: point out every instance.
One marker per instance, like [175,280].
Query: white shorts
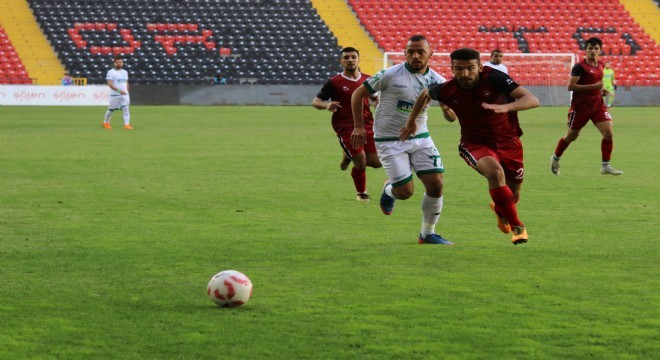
[398,157]
[118,102]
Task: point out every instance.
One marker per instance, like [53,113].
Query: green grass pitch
[108,239]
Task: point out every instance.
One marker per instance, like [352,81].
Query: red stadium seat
[560,22]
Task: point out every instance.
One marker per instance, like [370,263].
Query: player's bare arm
[374,100]
[112,86]
[524,100]
[359,135]
[331,106]
[411,126]
[574,86]
[448,113]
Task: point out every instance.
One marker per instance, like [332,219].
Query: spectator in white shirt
[496,61]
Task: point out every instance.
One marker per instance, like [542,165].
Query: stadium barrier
[29,95]
[265,95]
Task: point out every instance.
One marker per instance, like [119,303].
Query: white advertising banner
[30,95]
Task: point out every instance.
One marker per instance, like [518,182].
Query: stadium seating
[12,70]
[525,26]
[189,41]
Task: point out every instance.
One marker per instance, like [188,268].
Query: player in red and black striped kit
[586,83]
[485,101]
[339,90]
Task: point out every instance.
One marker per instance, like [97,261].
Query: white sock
[108,115]
[388,191]
[126,115]
[431,209]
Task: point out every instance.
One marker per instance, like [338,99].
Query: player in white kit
[496,61]
[117,80]
[399,87]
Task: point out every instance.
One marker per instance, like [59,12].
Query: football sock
[388,191]
[505,204]
[108,115]
[431,209]
[359,179]
[126,115]
[606,147]
[562,145]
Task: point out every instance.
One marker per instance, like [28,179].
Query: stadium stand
[287,42]
[35,51]
[189,41]
[525,26]
[346,27]
[647,14]
[12,70]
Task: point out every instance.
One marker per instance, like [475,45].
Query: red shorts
[345,142]
[577,120]
[509,156]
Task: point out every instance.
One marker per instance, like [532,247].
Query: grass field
[108,239]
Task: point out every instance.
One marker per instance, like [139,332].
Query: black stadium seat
[180,41]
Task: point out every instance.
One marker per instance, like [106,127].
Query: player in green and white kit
[399,87]
[609,84]
[117,80]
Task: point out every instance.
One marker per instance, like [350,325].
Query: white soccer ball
[229,288]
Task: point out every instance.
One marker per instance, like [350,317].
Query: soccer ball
[229,288]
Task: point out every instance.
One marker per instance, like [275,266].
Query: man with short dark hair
[117,80]
[496,61]
[587,104]
[67,80]
[399,86]
[338,90]
[482,100]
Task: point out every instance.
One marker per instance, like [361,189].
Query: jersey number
[519,174]
[435,160]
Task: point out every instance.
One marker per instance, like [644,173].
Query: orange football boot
[519,235]
[502,222]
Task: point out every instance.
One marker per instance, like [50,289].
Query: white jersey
[399,88]
[499,67]
[119,80]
